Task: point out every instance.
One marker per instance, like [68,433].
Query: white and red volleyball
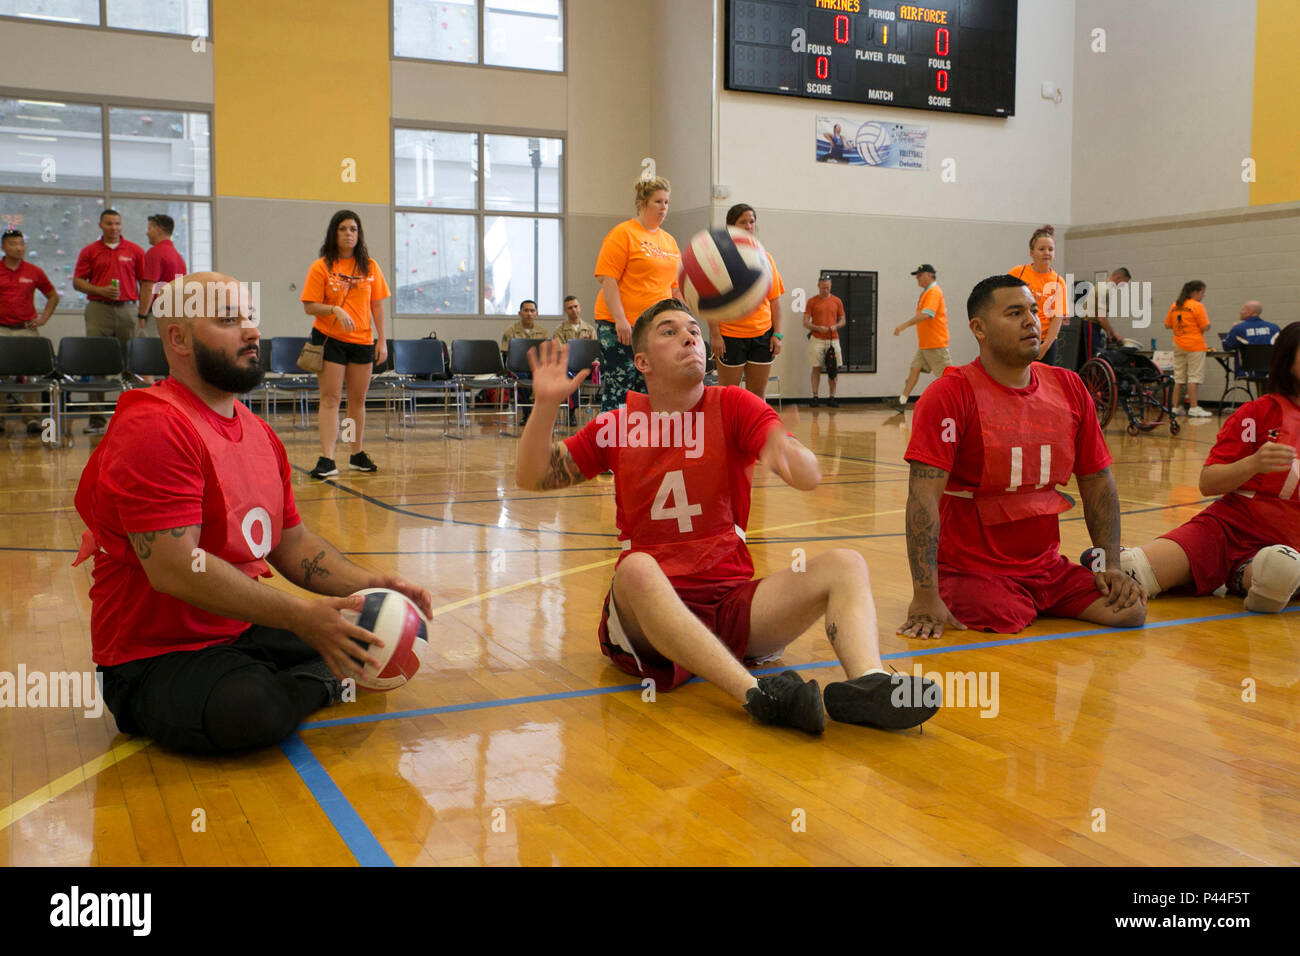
[394,619]
[724,274]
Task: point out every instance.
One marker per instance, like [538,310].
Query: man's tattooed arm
[313,566]
[925,485]
[143,541]
[1101,512]
[562,471]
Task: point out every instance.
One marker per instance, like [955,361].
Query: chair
[518,369]
[286,377]
[145,358]
[31,356]
[475,364]
[583,354]
[264,355]
[90,364]
[1252,368]
[419,367]
[774,390]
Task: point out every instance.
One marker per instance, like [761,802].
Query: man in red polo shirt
[162,264]
[108,271]
[19,280]
[188,502]
[991,442]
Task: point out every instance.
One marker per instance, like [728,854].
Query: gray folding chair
[288,379]
[419,368]
[475,364]
[91,364]
[30,356]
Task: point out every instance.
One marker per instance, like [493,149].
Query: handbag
[311,358]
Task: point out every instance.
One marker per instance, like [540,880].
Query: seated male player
[991,442]
[1249,538]
[187,500]
[683,601]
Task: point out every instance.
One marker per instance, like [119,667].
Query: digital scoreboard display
[958,56]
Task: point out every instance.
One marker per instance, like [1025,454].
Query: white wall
[1162,119]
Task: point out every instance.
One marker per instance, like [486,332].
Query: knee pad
[1134,563]
[1274,578]
[832,367]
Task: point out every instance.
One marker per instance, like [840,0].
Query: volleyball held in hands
[724,275]
[395,620]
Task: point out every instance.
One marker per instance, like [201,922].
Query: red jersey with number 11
[684,501]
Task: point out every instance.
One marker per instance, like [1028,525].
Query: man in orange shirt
[931,321]
[824,317]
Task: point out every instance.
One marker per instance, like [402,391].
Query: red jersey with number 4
[169,461]
[682,488]
[1267,501]
[1005,450]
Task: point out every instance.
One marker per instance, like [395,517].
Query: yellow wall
[1276,117]
[301,86]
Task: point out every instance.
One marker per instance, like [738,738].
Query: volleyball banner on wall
[871,143]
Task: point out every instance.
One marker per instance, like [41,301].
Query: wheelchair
[1124,378]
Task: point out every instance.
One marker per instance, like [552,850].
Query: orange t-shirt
[932,333]
[644,264]
[1051,302]
[1189,324]
[343,286]
[826,312]
[760,320]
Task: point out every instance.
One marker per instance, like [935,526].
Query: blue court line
[816,665]
[347,823]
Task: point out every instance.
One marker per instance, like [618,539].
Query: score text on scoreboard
[957,56]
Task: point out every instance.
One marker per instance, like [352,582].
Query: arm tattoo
[313,567]
[562,471]
[143,541]
[832,631]
[923,528]
[1101,508]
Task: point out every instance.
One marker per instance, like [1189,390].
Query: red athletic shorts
[1007,603]
[1216,547]
[723,610]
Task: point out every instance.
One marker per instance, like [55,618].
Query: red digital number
[941,42]
[941,81]
[841,21]
[823,68]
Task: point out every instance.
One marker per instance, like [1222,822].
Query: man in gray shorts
[931,321]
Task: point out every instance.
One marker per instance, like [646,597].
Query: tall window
[525,34]
[478,222]
[186,17]
[58,171]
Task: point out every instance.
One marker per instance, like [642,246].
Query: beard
[221,373]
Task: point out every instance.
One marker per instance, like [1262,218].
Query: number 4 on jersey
[674,486]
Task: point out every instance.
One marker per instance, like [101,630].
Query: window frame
[103,25]
[479,211]
[106,104]
[478,63]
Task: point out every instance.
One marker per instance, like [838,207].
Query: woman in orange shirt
[748,346]
[344,291]
[637,267]
[1189,320]
[1048,289]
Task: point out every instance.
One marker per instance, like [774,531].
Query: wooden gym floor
[517,744]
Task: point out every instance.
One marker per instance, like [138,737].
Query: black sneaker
[888,701]
[813,403]
[787,703]
[325,468]
[95,427]
[896,405]
[361,462]
[833,404]
[33,428]
[318,670]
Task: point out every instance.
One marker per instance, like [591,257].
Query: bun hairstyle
[1190,289]
[1048,231]
[645,188]
[738,210]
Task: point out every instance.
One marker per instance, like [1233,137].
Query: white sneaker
[1197,412]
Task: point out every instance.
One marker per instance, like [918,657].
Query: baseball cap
[11,234]
[925,267]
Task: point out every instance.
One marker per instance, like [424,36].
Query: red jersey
[169,461]
[18,292]
[682,481]
[162,263]
[1265,501]
[100,265]
[1005,451]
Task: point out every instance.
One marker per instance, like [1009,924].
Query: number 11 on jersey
[1018,466]
[674,486]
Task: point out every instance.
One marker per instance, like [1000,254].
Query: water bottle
[1153,345]
[595,373]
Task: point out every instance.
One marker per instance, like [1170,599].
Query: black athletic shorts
[343,353]
[757,350]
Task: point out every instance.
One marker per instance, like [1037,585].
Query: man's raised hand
[550,365]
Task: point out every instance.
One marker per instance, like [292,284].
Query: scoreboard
[957,56]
